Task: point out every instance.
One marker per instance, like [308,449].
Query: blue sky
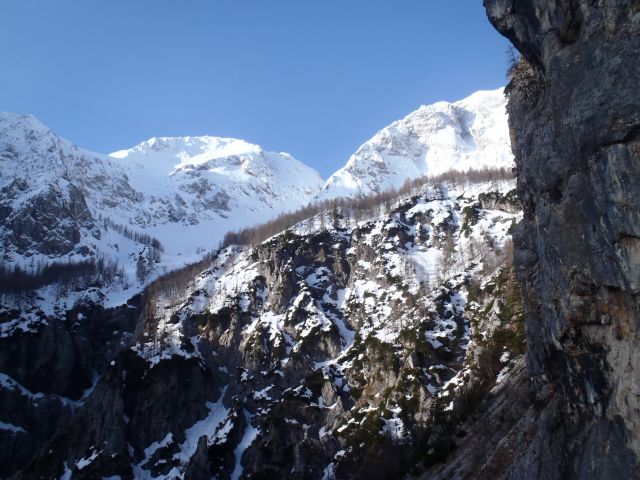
[315,78]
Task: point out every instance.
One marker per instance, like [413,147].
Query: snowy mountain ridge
[223,158]
[63,204]
[469,134]
[220,179]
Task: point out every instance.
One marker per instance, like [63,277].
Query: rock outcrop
[575,121]
[49,366]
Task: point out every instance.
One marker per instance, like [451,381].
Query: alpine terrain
[126,218]
[199,308]
[152,329]
[464,135]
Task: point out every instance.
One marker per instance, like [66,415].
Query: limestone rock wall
[575,119]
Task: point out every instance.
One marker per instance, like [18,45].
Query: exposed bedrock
[574,113]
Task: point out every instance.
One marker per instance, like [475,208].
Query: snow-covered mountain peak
[17,124]
[21,134]
[237,170]
[186,192]
[231,157]
[190,147]
[33,154]
[470,133]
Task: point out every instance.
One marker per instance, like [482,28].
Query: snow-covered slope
[469,134]
[218,183]
[60,203]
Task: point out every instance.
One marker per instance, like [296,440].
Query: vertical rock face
[575,121]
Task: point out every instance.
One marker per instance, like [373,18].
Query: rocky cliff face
[50,365]
[575,121]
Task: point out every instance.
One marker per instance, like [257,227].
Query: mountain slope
[468,134]
[143,211]
[163,203]
[197,180]
[345,339]
[314,354]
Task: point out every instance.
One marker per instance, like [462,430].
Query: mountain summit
[229,167]
[65,205]
[199,180]
[468,134]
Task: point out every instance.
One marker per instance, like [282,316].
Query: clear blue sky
[315,78]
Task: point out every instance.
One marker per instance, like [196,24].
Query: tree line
[67,275]
[127,232]
[362,205]
[174,283]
